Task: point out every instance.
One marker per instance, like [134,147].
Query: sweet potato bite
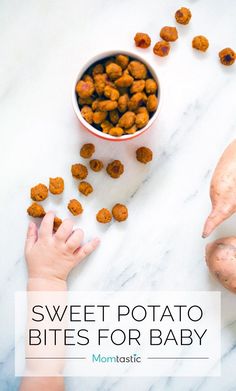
[79,171]
[200,43]
[120,212]
[183,15]
[75,207]
[104,216]
[142,40]
[36,210]
[39,192]
[56,185]
[227,56]
[115,169]
[144,155]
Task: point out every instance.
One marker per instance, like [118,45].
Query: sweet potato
[221,261]
[222,190]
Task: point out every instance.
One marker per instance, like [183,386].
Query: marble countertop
[43,46]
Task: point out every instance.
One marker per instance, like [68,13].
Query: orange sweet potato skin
[221,261]
[222,190]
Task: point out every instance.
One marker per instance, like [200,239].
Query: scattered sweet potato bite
[79,171]
[36,210]
[39,192]
[75,207]
[56,223]
[120,212]
[200,43]
[104,216]
[115,169]
[142,40]
[183,15]
[56,185]
[161,48]
[169,34]
[87,150]
[144,155]
[227,56]
[96,165]
[85,188]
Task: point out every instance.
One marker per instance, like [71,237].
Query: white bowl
[91,128]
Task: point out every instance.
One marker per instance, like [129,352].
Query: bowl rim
[101,56]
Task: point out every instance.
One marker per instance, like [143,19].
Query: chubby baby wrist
[46,283]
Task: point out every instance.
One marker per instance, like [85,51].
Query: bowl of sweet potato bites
[116,95]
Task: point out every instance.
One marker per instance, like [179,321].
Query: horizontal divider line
[178,358]
[55,358]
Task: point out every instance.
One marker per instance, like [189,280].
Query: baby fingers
[86,249]
[46,226]
[75,240]
[64,231]
[31,237]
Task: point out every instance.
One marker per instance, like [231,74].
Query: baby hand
[52,256]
